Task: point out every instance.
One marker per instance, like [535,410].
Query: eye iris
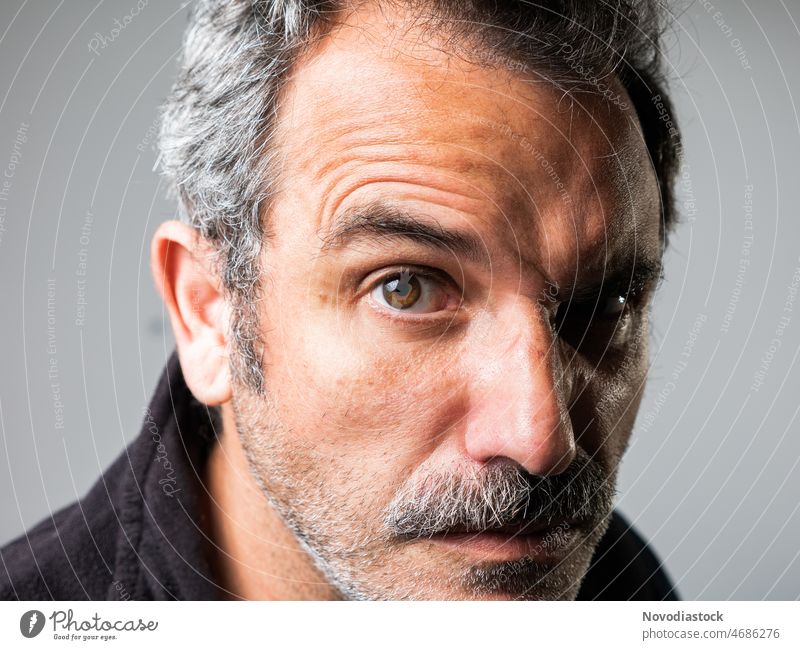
[402,292]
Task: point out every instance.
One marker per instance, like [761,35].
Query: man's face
[454,318]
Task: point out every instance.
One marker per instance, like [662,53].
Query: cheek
[607,407]
[356,394]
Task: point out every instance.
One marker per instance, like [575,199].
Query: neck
[256,556]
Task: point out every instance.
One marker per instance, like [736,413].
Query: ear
[180,262]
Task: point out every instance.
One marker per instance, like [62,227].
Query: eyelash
[632,298]
[594,306]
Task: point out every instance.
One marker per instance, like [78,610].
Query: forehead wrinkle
[369,132]
[352,116]
[462,164]
[456,177]
[358,140]
[358,132]
[614,192]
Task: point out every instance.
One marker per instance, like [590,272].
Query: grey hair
[501,494]
[217,136]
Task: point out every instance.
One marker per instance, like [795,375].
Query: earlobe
[192,294]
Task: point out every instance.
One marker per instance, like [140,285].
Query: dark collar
[165,552]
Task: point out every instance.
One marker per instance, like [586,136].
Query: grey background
[712,474]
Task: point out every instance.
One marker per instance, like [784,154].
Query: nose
[517,400]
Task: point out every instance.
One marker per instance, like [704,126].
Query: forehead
[379,108]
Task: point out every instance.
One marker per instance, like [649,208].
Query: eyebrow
[382,220]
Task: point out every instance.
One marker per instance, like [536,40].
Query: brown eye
[410,292]
[403,291]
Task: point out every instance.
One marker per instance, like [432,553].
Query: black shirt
[138,533]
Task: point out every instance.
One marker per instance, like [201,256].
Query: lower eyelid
[435,319]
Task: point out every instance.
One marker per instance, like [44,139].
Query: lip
[544,542]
